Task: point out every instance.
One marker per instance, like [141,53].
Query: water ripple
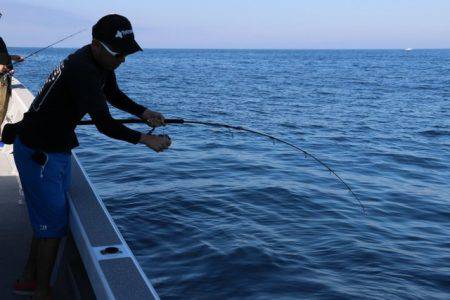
[227,215]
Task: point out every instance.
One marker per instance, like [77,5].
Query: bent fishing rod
[240,128]
[45,48]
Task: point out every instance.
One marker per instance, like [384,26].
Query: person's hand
[17,58]
[153,118]
[158,143]
[4,69]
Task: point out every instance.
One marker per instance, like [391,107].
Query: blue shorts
[45,188]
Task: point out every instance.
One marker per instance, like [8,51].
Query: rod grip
[130,121]
[174,121]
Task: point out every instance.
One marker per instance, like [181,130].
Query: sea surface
[230,215]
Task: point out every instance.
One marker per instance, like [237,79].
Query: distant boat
[408,49]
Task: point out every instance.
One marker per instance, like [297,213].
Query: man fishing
[82,84]
[6,67]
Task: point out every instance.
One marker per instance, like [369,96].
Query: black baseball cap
[116,32]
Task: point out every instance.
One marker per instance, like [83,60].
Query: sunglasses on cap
[113,53]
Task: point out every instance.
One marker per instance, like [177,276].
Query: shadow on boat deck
[15,235]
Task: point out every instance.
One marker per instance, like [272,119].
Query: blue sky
[282,24]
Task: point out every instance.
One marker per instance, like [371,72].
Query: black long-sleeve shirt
[79,86]
[5,58]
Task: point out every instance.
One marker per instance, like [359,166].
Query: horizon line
[274,49]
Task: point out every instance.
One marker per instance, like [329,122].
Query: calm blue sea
[230,215]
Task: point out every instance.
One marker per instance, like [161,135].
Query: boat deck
[15,230]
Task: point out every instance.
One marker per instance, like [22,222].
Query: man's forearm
[123,102]
[114,129]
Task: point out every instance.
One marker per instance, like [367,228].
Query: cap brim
[127,47]
[131,48]
[134,47]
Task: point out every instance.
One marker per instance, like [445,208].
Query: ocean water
[230,215]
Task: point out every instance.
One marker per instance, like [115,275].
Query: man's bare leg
[46,257]
[29,273]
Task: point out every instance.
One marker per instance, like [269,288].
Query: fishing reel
[150,132]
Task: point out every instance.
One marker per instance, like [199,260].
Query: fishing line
[240,128]
[42,49]
[57,42]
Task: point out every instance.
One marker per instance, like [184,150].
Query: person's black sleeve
[3,46]
[5,58]
[119,100]
[114,129]
[85,89]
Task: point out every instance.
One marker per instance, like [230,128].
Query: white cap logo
[120,34]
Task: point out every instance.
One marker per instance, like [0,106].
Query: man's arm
[91,99]
[17,58]
[114,129]
[120,100]
[108,126]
